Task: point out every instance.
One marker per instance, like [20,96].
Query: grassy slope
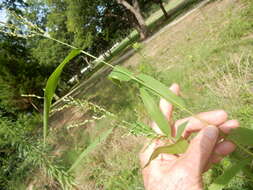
[209,54]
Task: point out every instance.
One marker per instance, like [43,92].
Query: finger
[224,148]
[166,108]
[228,125]
[201,149]
[196,123]
[221,150]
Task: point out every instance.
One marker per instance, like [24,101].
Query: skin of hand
[184,172]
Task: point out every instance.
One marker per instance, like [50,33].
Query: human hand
[184,172]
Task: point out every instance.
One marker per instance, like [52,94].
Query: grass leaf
[162,90]
[154,112]
[228,174]
[90,148]
[118,74]
[51,87]
[180,130]
[242,136]
[141,129]
[178,148]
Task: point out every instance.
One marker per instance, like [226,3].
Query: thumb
[201,148]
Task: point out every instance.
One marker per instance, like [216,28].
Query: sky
[2,15]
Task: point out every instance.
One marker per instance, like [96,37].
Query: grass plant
[221,73]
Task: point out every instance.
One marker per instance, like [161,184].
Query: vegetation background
[209,54]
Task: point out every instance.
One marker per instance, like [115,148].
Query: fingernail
[211,132]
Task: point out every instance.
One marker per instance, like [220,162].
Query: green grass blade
[162,90]
[50,90]
[141,129]
[226,177]
[123,74]
[154,112]
[118,73]
[180,130]
[178,148]
[90,148]
[241,135]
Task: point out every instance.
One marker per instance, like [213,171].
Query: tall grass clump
[16,145]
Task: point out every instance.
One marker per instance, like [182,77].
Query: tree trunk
[135,10]
[163,9]
[142,31]
[160,2]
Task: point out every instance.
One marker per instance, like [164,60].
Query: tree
[135,10]
[13,5]
[85,24]
[160,2]
[19,71]
[19,74]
